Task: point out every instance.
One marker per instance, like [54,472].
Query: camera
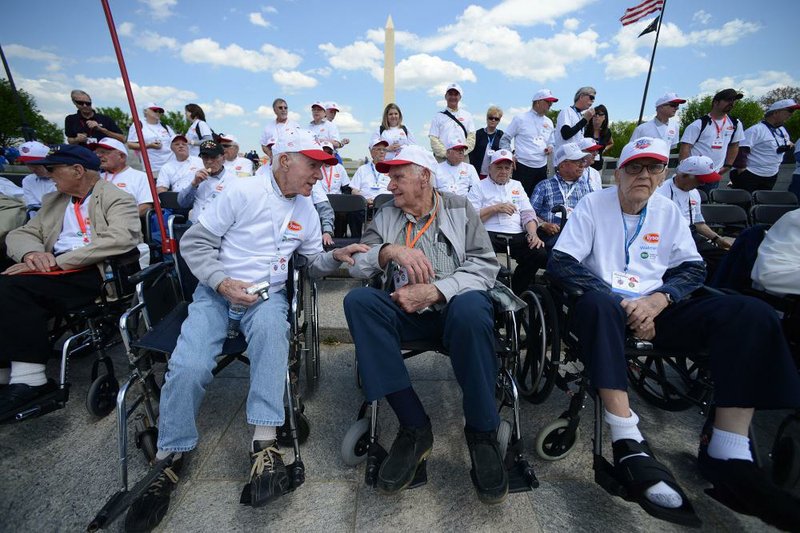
[261,289]
[782,149]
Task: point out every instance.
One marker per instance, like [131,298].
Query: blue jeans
[266,329]
[464,327]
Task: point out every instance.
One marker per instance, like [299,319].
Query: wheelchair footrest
[297,474]
[605,477]
[375,456]
[42,405]
[521,477]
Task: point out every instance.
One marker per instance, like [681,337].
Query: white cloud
[701,17]
[347,123]
[571,24]
[321,71]
[220,109]
[160,9]
[266,112]
[268,9]
[258,20]
[423,71]
[268,57]
[153,42]
[101,59]
[54,62]
[293,80]
[753,85]
[510,113]
[111,92]
[361,55]
[126,29]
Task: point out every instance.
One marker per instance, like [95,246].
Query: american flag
[635,13]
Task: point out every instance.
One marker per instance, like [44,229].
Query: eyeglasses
[591,96]
[82,103]
[493,118]
[282,107]
[674,105]
[50,168]
[227,145]
[634,169]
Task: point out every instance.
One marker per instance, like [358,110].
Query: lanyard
[375,175]
[79,216]
[280,231]
[688,201]
[720,128]
[328,176]
[628,241]
[569,192]
[772,131]
[491,139]
[411,243]
[113,176]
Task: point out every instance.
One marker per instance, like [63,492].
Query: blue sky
[235,57]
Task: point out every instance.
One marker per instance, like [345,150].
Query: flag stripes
[633,14]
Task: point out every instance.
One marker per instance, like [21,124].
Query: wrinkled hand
[643,311]
[506,208]
[646,332]
[413,298]
[327,240]
[588,114]
[40,261]
[417,265]
[534,241]
[92,124]
[394,147]
[199,177]
[725,243]
[550,228]
[81,137]
[19,268]
[345,141]
[345,255]
[233,290]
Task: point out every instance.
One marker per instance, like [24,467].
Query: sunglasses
[282,107]
[492,118]
[50,168]
[591,96]
[674,105]
[82,103]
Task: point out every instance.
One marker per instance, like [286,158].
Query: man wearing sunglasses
[277,127]
[86,126]
[573,120]
[240,166]
[662,126]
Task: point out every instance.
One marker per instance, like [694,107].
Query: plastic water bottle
[235,314]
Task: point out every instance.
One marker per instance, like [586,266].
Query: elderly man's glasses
[282,107]
[82,102]
[493,118]
[591,96]
[634,169]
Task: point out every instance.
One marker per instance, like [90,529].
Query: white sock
[27,373]
[5,376]
[726,445]
[163,454]
[263,433]
[660,494]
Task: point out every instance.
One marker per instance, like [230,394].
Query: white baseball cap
[501,155]
[454,86]
[669,98]
[376,140]
[31,151]
[410,153]
[318,104]
[224,137]
[154,106]
[568,152]
[644,147]
[109,144]
[587,144]
[270,142]
[332,105]
[784,104]
[178,137]
[544,94]
[701,167]
[327,144]
[456,142]
[304,142]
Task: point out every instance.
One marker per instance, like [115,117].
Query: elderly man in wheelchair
[239,250]
[440,264]
[631,255]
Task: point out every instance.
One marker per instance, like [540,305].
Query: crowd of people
[637,249]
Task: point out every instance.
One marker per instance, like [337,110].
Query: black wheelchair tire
[786,462]
[647,375]
[536,374]
[550,444]
[102,396]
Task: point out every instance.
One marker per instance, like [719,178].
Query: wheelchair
[150,331]
[91,328]
[361,441]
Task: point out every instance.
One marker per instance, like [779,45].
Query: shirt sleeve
[738,134]
[165,176]
[691,132]
[435,129]
[132,134]
[205,129]
[220,215]
[475,197]
[537,200]
[578,235]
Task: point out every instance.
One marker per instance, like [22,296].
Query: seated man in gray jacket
[440,264]
[245,236]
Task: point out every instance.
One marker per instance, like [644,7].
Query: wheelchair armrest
[563,219]
[128,258]
[570,292]
[707,290]
[299,261]
[149,272]
[504,237]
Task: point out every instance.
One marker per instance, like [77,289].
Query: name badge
[279,270]
[400,278]
[717,144]
[625,283]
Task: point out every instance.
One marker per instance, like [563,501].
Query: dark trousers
[749,359]
[28,302]
[744,179]
[529,176]
[464,327]
[794,186]
[528,260]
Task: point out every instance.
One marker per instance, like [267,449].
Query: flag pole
[652,58]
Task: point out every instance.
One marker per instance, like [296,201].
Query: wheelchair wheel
[503,437]
[355,443]
[284,433]
[669,383]
[786,462]
[102,396]
[541,350]
[554,441]
[311,328]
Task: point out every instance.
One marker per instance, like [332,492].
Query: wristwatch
[670,301]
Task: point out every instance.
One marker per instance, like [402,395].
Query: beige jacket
[114,217]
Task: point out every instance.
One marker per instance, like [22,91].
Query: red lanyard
[81,221]
[411,243]
[720,128]
[328,176]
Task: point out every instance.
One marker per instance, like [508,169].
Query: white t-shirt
[334,177]
[35,188]
[532,133]
[714,140]
[324,131]
[445,127]
[275,129]
[658,130]
[72,236]
[176,175]
[595,236]
[369,182]
[687,201]
[241,166]
[318,195]
[133,182]
[208,190]
[763,159]
[152,132]
[569,116]
[395,135]
[191,135]
[9,188]
[775,268]
[594,178]
[260,229]
[489,193]
[457,179]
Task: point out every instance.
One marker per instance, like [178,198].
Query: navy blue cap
[70,154]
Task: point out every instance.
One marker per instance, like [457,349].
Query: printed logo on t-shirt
[121,185]
[652,238]
[219,187]
[294,226]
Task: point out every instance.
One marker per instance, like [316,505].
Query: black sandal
[630,479]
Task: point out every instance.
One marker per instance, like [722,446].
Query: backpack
[382,129]
[705,120]
[214,135]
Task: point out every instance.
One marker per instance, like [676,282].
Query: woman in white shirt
[199,131]
[393,131]
[156,135]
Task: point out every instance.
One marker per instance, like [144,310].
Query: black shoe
[268,477]
[745,488]
[149,509]
[488,470]
[13,397]
[410,448]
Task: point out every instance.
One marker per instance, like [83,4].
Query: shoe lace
[167,475]
[264,459]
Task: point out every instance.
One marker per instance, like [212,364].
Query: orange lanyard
[328,176]
[411,243]
[719,128]
[79,217]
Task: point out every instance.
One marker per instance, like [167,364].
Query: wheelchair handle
[563,211]
[149,272]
